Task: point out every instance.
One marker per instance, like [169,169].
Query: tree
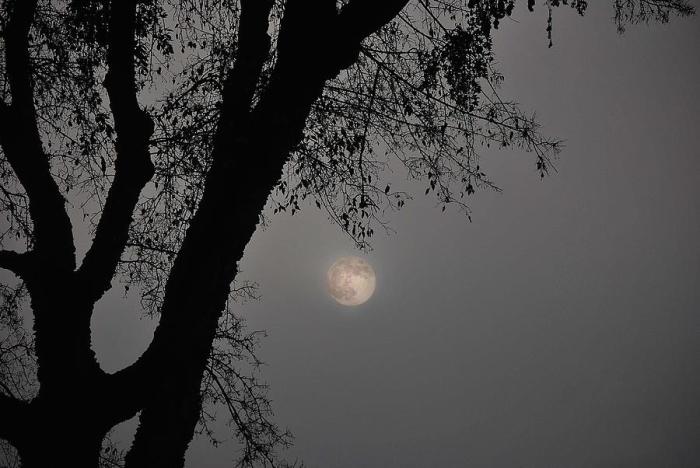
[169,124]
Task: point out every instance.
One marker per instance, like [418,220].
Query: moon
[351,281]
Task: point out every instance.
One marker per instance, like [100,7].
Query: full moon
[351,281]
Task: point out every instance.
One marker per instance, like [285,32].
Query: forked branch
[133,164]
[21,143]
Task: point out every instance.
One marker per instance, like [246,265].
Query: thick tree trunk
[65,423]
[249,155]
[62,449]
[62,432]
[250,152]
[173,408]
[62,333]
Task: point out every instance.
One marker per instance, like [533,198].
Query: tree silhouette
[169,124]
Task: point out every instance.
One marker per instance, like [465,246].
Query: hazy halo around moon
[351,281]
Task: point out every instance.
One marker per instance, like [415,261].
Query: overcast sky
[561,328]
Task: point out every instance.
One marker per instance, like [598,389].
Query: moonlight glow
[351,281]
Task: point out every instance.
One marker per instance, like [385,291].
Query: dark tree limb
[253,50]
[247,165]
[14,261]
[14,416]
[20,140]
[241,82]
[198,285]
[358,20]
[133,164]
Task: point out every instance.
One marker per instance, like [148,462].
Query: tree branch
[358,20]
[235,192]
[14,416]
[253,50]
[14,261]
[241,82]
[20,140]
[133,164]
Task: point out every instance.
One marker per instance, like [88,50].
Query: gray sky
[560,329]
